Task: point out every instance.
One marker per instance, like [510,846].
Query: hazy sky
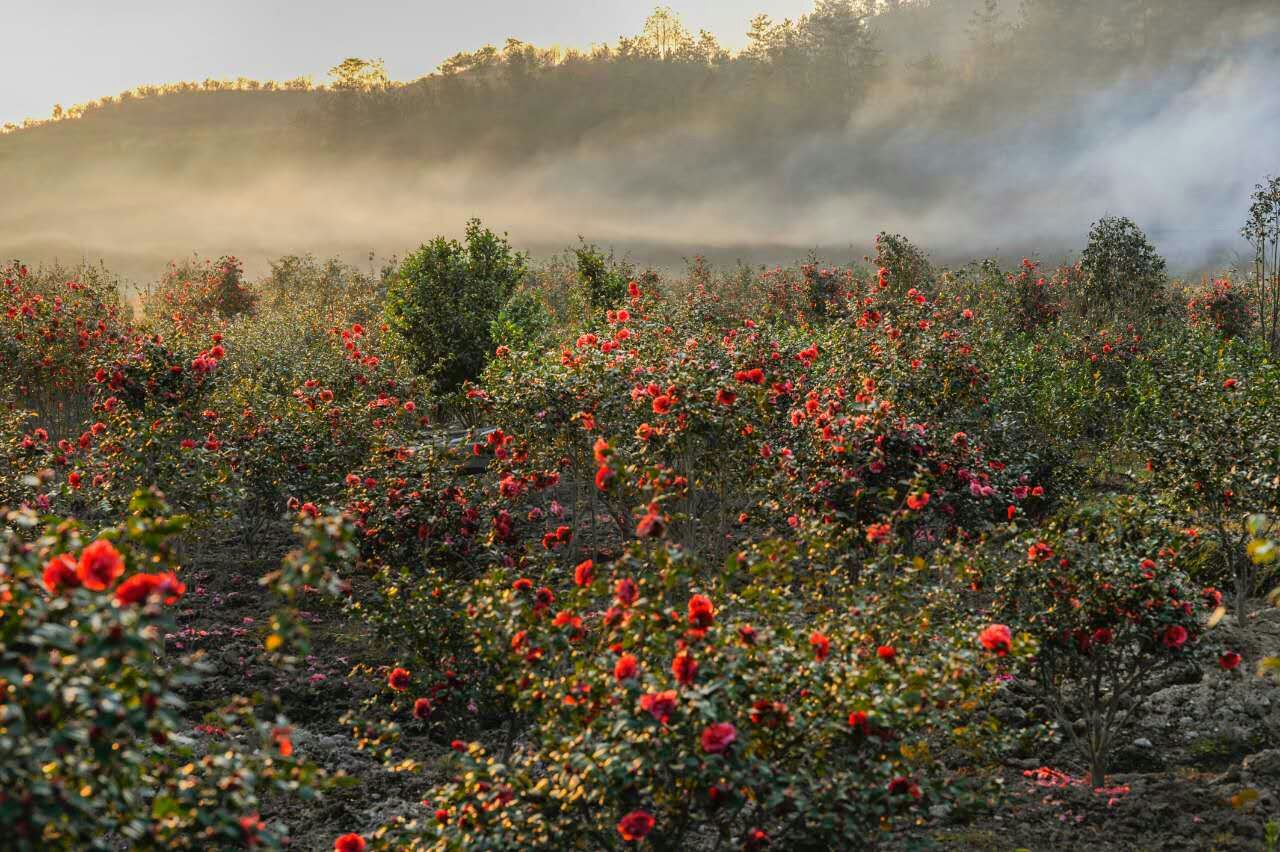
[71,51]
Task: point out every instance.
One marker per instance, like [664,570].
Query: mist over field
[1005,140]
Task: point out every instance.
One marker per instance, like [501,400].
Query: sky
[72,51]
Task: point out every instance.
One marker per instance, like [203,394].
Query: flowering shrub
[1222,307]
[1104,593]
[445,296]
[88,701]
[1205,425]
[195,298]
[669,703]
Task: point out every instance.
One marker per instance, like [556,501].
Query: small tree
[602,281]
[1262,230]
[442,303]
[1104,593]
[359,75]
[1123,273]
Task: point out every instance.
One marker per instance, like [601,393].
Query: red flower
[685,668]
[635,826]
[754,376]
[349,843]
[1229,660]
[886,653]
[100,565]
[726,397]
[701,613]
[717,738]
[878,533]
[903,786]
[1229,384]
[422,708]
[60,573]
[398,679]
[916,502]
[770,714]
[604,477]
[659,705]
[996,638]
[821,645]
[860,723]
[1039,552]
[652,525]
[584,573]
[138,588]
[626,667]
[661,404]
[626,591]
[1174,637]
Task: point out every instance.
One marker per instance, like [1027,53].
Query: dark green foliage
[443,302]
[1123,274]
[602,280]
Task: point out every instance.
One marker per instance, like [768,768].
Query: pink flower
[717,738]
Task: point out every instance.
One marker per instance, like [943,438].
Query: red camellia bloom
[717,738]
[422,708]
[659,705]
[138,588]
[1229,384]
[626,667]
[916,502]
[1039,552]
[584,573]
[625,591]
[726,397]
[651,525]
[996,638]
[878,533]
[685,668]
[349,843]
[821,645]
[886,653]
[100,565]
[661,404]
[769,714]
[701,613]
[635,826]
[860,723]
[398,679]
[60,573]
[1229,660]
[904,786]
[1174,637]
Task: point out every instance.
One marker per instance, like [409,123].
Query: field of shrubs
[478,552]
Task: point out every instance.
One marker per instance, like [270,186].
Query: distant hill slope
[970,131]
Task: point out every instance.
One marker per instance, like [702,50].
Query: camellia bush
[1103,591]
[673,706]
[443,300]
[92,747]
